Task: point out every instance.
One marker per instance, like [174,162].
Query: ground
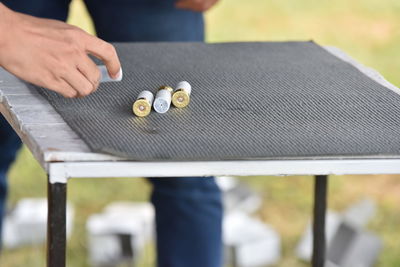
[367,29]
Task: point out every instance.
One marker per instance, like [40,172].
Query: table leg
[56,224]
[320,196]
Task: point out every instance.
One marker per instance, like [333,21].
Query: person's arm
[53,54]
[196,5]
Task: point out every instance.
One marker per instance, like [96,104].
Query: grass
[366,29]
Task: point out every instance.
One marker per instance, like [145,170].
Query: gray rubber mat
[249,100]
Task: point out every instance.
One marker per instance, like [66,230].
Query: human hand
[53,54]
[196,5]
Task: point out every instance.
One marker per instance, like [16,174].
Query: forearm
[5,23]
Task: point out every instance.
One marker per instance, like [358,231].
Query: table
[63,155]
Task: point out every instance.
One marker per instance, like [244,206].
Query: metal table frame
[63,155]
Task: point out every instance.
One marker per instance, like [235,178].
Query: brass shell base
[180,99]
[141,108]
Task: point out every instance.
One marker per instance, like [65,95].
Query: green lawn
[367,29]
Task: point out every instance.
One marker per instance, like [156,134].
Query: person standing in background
[36,46]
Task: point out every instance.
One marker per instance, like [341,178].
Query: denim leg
[188,221]
[9,145]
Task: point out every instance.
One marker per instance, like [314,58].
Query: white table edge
[60,172]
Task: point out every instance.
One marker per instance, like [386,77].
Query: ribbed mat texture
[249,101]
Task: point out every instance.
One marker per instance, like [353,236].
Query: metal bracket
[57,173]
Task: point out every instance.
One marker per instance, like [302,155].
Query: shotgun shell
[105,77]
[163,99]
[181,95]
[142,105]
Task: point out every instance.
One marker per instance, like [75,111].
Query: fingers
[90,70]
[80,84]
[63,88]
[195,5]
[187,4]
[106,52]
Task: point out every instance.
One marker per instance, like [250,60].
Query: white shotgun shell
[105,77]
[163,100]
[181,95]
[142,105]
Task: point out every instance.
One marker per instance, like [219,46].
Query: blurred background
[368,30]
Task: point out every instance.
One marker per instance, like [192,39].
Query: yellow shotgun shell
[142,105]
[181,95]
[180,99]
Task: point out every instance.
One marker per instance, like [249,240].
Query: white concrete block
[254,243]
[26,224]
[304,247]
[120,233]
[238,196]
[360,213]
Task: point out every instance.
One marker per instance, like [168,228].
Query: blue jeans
[188,210]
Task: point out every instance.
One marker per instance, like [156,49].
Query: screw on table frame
[319,243]
[56,224]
